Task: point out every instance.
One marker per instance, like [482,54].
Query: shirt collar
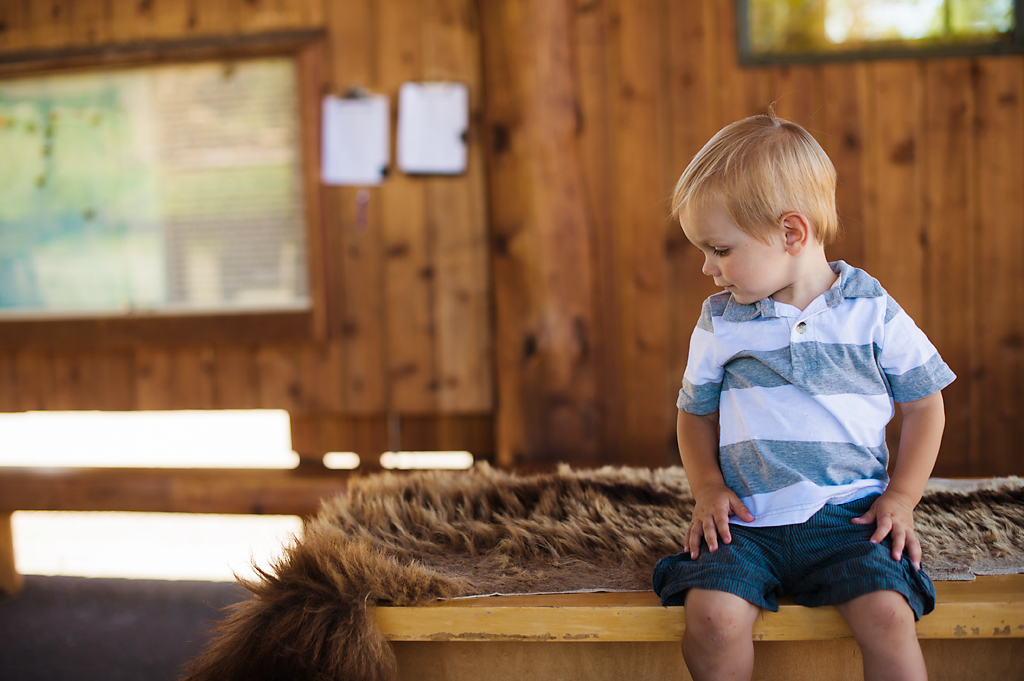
[852,283]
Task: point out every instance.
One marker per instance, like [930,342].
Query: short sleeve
[911,363]
[702,380]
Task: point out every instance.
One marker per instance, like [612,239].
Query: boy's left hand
[893,513]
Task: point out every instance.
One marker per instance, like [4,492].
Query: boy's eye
[720,252]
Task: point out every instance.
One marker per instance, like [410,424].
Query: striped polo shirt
[804,395]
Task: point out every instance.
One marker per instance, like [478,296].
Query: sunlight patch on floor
[148,545]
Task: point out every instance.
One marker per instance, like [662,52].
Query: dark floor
[78,629]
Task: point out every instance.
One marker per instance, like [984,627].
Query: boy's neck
[812,277]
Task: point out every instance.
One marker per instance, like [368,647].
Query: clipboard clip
[356,92]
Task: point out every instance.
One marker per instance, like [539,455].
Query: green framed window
[160,189]
[774,31]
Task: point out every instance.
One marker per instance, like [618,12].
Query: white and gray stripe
[804,395]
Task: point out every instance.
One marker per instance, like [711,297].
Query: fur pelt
[406,539]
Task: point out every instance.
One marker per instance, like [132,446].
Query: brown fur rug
[404,539]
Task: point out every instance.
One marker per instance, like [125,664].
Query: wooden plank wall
[550,292]
[930,156]
[408,281]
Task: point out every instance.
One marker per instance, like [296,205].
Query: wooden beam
[989,607]
[242,491]
[155,330]
[10,581]
[839,660]
[151,51]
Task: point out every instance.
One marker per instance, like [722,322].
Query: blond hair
[758,169]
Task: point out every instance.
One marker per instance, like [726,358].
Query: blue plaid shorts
[824,561]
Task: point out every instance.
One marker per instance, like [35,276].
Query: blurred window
[173,189]
[797,30]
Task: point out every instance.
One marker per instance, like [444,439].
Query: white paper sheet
[432,122]
[356,140]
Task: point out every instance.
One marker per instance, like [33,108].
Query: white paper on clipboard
[356,140]
[432,122]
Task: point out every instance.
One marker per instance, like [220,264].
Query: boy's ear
[797,232]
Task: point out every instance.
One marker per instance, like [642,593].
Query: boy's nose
[709,269]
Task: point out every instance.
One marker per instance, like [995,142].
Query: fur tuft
[308,617]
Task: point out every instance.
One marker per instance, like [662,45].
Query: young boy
[792,374]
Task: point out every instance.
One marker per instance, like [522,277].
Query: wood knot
[499,138]
[904,152]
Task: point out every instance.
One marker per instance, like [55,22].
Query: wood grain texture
[985,660]
[545,286]
[74,380]
[34,377]
[179,379]
[695,113]
[410,266]
[796,93]
[543,315]
[114,381]
[311,78]
[842,138]
[321,374]
[591,49]
[642,230]
[949,315]
[11,581]
[456,219]
[354,236]
[90,22]
[154,382]
[50,23]
[984,608]
[895,253]
[236,378]
[167,490]
[8,382]
[511,240]
[193,377]
[1000,251]
[280,378]
[14,22]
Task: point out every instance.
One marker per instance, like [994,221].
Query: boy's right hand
[711,511]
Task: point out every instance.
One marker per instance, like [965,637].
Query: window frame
[885,51]
[133,329]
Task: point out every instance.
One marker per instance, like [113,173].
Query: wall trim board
[156,51]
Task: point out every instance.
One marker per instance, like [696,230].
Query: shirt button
[801,327]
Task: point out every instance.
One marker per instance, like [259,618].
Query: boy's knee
[882,616]
[718,620]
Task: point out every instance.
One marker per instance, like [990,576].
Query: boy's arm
[713,501]
[893,512]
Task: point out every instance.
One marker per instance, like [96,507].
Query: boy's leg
[717,642]
[883,624]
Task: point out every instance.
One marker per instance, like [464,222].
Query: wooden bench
[165,490]
[976,632]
